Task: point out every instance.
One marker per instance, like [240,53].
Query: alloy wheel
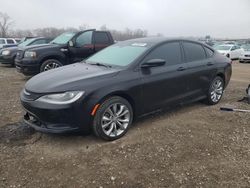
[216,90]
[115,119]
[51,65]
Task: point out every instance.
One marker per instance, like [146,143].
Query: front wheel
[113,118]
[215,91]
[50,64]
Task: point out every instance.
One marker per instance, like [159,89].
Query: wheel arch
[56,57]
[121,94]
[220,74]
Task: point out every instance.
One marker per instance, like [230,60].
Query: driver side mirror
[71,44]
[153,63]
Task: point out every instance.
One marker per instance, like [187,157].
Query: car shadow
[20,134]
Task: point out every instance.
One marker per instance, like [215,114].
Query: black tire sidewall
[48,61]
[209,100]
[97,128]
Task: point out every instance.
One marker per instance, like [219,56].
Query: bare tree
[5,24]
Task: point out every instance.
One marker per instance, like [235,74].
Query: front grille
[19,54]
[247,55]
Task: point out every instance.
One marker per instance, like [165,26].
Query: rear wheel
[113,118]
[215,91]
[50,64]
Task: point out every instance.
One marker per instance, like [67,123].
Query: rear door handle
[210,63]
[181,69]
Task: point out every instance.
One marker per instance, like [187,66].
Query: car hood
[78,76]
[41,47]
[246,53]
[223,51]
[11,49]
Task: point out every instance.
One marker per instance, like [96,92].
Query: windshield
[221,47]
[63,38]
[117,55]
[246,47]
[25,43]
[2,41]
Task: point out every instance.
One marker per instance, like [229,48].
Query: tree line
[6,30]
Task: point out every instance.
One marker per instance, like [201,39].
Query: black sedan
[7,55]
[129,79]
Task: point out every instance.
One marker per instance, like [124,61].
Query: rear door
[164,84]
[101,40]
[83,46]
[201,67]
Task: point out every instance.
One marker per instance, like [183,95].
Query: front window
[63,38]
[118,55]
[221,47]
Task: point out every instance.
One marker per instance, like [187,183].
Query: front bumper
[244,59]
[53,118]
[27,67]
[6,60]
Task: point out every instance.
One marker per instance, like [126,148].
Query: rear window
[10,41]
[101,38]
[193,51]
[209,52]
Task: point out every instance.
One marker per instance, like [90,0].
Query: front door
[83,47]
[164,84]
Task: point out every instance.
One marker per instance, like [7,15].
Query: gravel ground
[192,146]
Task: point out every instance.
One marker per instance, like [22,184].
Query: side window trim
[185,56]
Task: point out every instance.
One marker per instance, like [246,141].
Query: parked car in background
[67,48]
[229,50]
[217,43]
[8,55]
[7,42]
[129,79]
[245,57]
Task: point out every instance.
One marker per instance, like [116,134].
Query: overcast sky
[218,18]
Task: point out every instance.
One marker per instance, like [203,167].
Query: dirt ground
[192,146]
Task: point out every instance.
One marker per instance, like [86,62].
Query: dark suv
[8,55]
[70,47]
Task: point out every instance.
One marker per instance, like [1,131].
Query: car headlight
[61,98]
[30,54]
[6,52]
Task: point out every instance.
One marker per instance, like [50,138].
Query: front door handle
[181,69]
[210,63]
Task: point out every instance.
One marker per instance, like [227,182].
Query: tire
[13,62]
[50,64]
[215,91]
[108,127]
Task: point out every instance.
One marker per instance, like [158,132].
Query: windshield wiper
[100,64]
